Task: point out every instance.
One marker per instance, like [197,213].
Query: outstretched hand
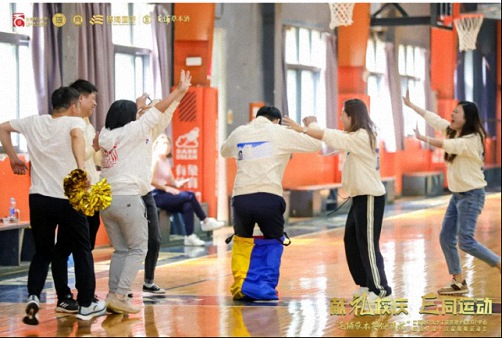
[406,99]
[185,81]
[288,122]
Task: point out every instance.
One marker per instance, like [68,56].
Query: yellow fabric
[241,257]
[239,328]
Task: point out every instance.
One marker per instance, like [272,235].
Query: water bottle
[12,208]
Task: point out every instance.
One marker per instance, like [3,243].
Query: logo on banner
[189,140]
[18,20]
[59,20]
[97,19]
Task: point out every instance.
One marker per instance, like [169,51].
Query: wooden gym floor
[315,287]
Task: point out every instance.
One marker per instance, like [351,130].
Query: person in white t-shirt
[56,147]
[464,156]
[88,93]
[124,144]
[361,179]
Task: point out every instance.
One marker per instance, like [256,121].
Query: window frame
[299,68]
[17,40]
[135,52]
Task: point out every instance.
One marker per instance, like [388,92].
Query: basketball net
[468,27]
[341,14]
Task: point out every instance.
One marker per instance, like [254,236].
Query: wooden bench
[390,188]
[313,200]
[423,183]
[165,225]
[11,242]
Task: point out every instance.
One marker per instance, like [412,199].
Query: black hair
[63,97]
[472,125]
[84,87]
[271,113]
[121,112]
[360,118]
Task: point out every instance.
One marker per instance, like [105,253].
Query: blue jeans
[459,224]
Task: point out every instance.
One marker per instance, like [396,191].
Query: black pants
[94,222]
[47,213]
[362,236]
[267,210]
[154,238]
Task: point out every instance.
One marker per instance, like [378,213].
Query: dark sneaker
[153,289]
[67,305]
[454,288]
[97,308]
[32,308]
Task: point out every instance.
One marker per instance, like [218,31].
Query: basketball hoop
[468,26]
[341,14]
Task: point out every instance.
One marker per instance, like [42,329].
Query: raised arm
[312,132]
[178,93]
[408,103]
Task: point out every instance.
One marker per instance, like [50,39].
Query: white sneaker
[120,305]
[32,308]
[359,292]
[211,224]
[193,240]
[97,308]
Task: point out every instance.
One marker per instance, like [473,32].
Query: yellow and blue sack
[255,266]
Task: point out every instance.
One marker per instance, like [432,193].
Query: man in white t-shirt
[56,147]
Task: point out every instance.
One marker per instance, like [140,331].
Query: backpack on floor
[255,266]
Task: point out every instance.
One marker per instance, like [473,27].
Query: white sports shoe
[97,308]
[193,240]
[211,224]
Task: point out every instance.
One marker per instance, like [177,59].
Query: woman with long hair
[464,157]
[361,179]
[168,196]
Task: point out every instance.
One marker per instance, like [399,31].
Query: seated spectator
[169,197]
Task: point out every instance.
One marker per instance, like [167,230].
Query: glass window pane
[27,96]
[124,77]
[318,49]
[402,60]
[8,89]
[121,34]
[419,63]
[370,56]
[304,46]
[292,96]
[139,77]
[410,66]
[380,58]
[291,45]
[307,94]
[142,33]
[5,17]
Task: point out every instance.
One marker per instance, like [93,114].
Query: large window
[412,71]
[17,90]
[305,67]
[378,90]
[133,47]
